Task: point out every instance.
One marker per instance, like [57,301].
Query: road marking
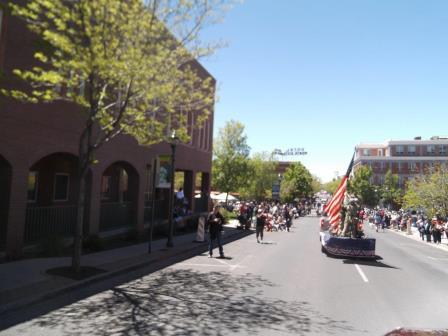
[432,258]
[361,273]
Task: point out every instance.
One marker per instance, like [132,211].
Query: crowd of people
[430,229]
[263,216]
[270,216]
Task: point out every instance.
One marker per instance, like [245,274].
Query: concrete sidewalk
[25,282]
[416,236]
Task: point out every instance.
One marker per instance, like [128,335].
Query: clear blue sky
[329,74]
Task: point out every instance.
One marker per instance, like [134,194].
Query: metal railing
[116,215]
[3,226]
[160,210]
[43,222]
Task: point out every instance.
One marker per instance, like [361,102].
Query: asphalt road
[285,286]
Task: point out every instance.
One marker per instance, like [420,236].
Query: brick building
[38,165]
[406,158]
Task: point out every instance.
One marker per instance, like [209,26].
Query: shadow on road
[373,263]
[186,302]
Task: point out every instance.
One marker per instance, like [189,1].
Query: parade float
[342,231]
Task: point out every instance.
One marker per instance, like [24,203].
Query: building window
[399,150]
[430,149]
[61,187]
[412,166]
[411,150]
[124,184]
[32,186]
[366,152]
[442,150]
[106,187]
[399,165]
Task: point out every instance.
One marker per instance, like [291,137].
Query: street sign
[290,152]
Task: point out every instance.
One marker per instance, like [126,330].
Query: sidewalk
[25,282]
[416,236]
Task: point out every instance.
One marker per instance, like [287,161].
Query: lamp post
[173,143]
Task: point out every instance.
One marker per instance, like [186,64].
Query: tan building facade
[406,158]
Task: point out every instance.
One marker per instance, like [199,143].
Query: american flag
[333,208]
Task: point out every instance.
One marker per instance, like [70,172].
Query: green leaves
[231,152]
[362,188]
[428,192]
[297,183]
[120,61]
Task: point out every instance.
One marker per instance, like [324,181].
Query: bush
[52,246]
[93,243]
[228,215]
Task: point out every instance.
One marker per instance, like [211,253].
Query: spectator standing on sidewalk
[215,221]
[437,231]
[428,230]
[260,222]
[421,227]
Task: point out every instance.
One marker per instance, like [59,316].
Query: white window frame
[67,191]
[433,149]
[442,149]
[413,151]
[366,152]
[401,151]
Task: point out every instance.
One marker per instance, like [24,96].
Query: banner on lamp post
[163,171]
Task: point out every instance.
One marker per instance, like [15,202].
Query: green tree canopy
[390,191]
[316,184]
[297,183]
[362,188]
[231,163]
[428,192]
[331,186]
[262,174]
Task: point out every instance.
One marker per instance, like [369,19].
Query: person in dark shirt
[261,221]
[215,221]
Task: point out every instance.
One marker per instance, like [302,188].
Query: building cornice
[401,158]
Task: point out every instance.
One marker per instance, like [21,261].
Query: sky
[326,75]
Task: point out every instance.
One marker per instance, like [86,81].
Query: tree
[231,151]
[390,191]
[296,183]
[331,186]
[128,65]
[262,175]
[362,188]
[428,192]
[316,184]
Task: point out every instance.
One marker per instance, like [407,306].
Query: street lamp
[173,142]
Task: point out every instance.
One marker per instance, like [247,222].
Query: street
[283,286]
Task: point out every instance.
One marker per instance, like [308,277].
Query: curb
[16,305]
[439,247]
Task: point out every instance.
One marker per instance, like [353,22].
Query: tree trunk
[85,150]
[77,244]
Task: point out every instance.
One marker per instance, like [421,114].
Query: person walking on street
[287,217]
[261,221]
[215,221]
